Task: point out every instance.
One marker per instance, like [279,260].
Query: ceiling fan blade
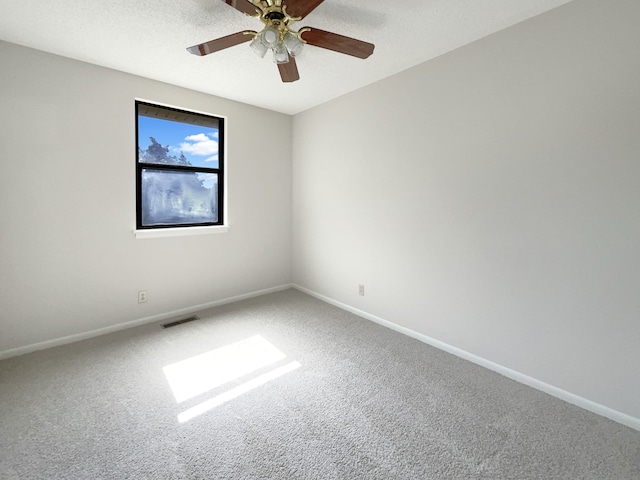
[244,6]
[337,43]
[301,8]
[222,43]
[289,71]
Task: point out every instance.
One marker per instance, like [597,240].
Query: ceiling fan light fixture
[280,54]
[258,47]
[293,43]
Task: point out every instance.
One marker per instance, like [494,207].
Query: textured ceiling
[149,37]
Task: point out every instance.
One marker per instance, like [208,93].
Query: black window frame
[219,171]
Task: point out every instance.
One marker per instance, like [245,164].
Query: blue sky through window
[199,144]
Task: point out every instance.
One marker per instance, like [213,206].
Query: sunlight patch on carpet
[236,392]
[202,373]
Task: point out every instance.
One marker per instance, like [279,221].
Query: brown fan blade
[244,6]
[337,43]
[222,43]
[289,71]
[301,8]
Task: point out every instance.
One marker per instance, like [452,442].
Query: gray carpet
[327,396]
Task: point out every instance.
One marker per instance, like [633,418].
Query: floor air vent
[180,322]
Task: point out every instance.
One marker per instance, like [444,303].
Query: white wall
[490,199]
[68,260]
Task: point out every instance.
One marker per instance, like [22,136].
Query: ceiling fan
[277,35]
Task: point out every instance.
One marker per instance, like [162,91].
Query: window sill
[179,231]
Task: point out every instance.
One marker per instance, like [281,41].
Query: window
[179,168]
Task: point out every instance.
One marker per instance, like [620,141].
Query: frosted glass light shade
[280,54]
[270,36]
[258,46]
[293,43]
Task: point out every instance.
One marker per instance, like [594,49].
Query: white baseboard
[135,323]
[569,397]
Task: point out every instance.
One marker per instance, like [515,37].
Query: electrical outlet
[142,296]
[361,290]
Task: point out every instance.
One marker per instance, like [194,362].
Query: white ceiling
[149,38]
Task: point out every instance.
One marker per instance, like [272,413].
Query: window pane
[169,142]
[174,198]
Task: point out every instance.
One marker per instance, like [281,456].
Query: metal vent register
[181,321]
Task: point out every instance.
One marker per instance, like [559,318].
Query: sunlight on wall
[196,375]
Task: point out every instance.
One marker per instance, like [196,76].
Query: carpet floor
[285,386]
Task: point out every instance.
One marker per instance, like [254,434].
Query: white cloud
[201,137]
[200,145]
